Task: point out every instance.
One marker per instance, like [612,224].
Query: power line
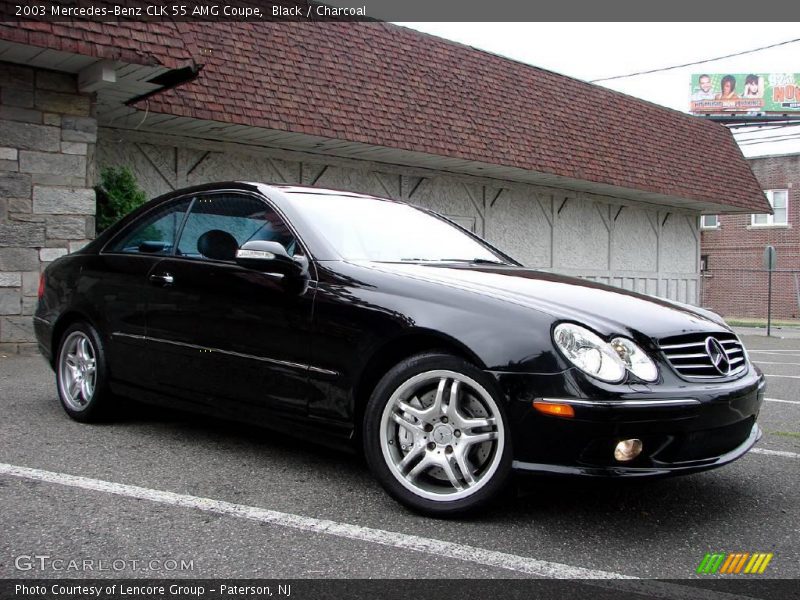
[769,137]
[771,140]
[770,128]
[788,138]
[756,136]
[698,62]
[764,125]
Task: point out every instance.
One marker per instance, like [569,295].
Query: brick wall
[47,137]
[735,284]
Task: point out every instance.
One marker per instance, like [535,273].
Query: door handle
[164,279]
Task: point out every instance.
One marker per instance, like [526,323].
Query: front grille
[688,354]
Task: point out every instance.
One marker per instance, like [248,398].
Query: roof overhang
[118,84]
[115,82]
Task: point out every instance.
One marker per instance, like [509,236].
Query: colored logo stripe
[710,563]
[734,562]
[758,563]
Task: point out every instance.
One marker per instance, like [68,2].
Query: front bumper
[685,427]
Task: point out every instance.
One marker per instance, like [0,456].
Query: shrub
[118,193]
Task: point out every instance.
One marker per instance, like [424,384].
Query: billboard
[745,93]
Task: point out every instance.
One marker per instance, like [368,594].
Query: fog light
[628,450]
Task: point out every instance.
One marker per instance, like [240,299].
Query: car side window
[219,224]
[156,234]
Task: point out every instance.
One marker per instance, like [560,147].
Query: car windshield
[384,231]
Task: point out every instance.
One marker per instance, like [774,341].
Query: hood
[607,309]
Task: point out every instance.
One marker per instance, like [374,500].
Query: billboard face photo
[745,93]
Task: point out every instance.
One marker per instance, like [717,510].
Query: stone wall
[596,237]
[47,206]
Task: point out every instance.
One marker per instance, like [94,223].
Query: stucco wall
[595,237]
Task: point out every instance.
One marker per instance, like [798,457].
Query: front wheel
[436,435]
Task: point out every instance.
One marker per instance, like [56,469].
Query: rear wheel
[435,435]
[81,374]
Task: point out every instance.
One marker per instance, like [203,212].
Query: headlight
[589,353]
[605,361]
[636,361]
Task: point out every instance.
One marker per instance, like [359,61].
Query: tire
[81,374]
[436,435]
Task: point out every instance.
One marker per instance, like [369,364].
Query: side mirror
[269,257]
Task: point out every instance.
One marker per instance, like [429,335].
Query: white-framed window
[709,222]
[779,200]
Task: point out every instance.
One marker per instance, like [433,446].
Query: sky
[594,50]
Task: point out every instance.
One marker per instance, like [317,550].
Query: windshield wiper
[471,261]
[475,261]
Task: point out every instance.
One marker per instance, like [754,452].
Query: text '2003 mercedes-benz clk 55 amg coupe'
[368,323]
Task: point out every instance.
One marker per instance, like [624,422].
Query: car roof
[305,189]
[265,188]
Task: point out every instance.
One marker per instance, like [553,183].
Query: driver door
[224,338]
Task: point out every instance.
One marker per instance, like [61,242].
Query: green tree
[118,193]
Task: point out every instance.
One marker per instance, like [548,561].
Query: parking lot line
[439,548]
[773,350]
[443,549]
[763,362]
[775,452]
[784,376]
[782,401]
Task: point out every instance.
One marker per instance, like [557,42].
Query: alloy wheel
[77,370]
[442,435]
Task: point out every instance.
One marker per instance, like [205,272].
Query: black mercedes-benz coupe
[357,321]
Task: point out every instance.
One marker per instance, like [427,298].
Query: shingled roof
[388,86]
[150,44]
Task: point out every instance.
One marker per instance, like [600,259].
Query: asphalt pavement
[215,499]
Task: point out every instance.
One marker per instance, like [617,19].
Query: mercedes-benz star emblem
[442,434]
[719,358]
